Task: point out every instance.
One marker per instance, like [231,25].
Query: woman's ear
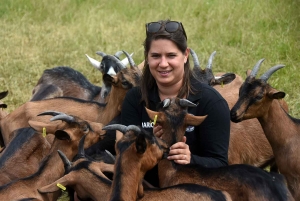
[186,54]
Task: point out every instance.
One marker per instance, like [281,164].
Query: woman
[167,74]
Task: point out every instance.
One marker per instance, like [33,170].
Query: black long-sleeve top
[208,142]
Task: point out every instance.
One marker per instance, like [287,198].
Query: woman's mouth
[164,73]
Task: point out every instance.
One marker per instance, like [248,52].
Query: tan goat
[248,143]
[242,182]
[259,100]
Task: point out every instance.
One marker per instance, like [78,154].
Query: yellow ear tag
[155,118]
[44,132]
[222,84]
[61,186]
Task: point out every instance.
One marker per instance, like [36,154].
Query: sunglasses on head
[170,26]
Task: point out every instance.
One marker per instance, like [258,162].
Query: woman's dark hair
[148,82]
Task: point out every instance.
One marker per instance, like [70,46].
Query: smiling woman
[167,74]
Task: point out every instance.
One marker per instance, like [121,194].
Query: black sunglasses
[170,26]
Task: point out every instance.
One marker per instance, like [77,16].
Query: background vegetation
[39,34]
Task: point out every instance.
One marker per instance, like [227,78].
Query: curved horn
[256,68]
[67,118]
[102,54]
[50,112]
[67,163]
[112,156]
[125,60]
[166,102]
[130,60]
[94,62]
[81,153]
[118,54]
[195,58]
[186,103]
[209,64]
[134,128]
[118,62]
[272,70]
[118,127]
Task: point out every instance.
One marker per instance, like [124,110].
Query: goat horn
[94,62]
[3,105]
[256,68]
[209,64]
[272,70]
[112,156]
[118,53]
[102,54]
[134,128]
[50,112]
[186,103]
[64,117]
[125,60]
[195,58]
[118,127]
[118,62]
[67,163]
[130,60]
[166,102]
[81,153]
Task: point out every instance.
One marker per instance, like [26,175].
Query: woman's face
[166,62]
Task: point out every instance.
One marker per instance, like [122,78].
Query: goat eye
[125,83]
[85,129]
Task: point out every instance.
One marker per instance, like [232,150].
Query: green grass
[39,34]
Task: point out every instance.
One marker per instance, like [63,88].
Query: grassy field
[39,34]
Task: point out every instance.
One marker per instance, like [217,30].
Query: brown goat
[52,168]
[142,151]
[257,99]
[242,182]
[248,143]
[92,111]
[85,176]
[23,154]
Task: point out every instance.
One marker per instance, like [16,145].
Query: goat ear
[194,120]
[152,114]
[51,127]
[274,94]
[248,72]
[51,188]
[62,135]
[140,144]
[225,79]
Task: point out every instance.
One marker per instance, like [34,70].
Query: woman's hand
[158,131]
[180,152]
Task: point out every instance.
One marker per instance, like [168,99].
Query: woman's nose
[163,62]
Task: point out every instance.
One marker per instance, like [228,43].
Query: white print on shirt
[147,124]
[150,125]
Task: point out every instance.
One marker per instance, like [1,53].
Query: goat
[80,174]
[51,167]
[88,110]
[248,144]
[23,154]
[109,65]
[258,99]
[241,181]
[142,151]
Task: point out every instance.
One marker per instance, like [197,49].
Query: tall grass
[40,34]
